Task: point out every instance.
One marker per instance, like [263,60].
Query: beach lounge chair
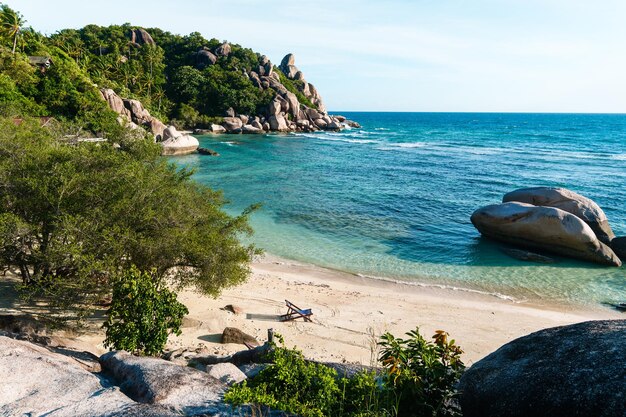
[295,312]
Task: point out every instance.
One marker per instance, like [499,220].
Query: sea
[393,199]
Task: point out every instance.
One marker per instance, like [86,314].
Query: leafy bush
[290,384]
[417,379]
[420,375]
[143,314]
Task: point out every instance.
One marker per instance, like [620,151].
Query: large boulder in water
[576,370]
[618,245]
[176,143]
[544,228]
[569,201]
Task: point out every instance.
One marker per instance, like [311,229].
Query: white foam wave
[619,157]
[409,145]
[446,287]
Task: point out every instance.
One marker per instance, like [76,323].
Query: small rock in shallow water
[524,255]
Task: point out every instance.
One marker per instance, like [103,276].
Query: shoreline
[350,311]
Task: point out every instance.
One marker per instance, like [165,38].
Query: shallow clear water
[394,199]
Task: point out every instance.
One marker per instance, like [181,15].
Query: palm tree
[11,23]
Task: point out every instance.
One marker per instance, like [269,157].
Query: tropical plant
[11,23]
[421,375]
[143,313]
[418,379]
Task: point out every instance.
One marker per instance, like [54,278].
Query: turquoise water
[394,199]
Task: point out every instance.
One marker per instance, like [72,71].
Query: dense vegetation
[143,313]
[74,218]
[169,78]
[417,379]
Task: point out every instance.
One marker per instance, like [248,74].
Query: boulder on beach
[234,335]
[543,228]
[569,201]
[575,370]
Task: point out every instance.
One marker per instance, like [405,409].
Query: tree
[11,23]
[73,219]
[143,314]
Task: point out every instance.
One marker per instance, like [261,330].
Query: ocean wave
[229,143]
[619,157]
[381,128]
[446,287]
[409,145]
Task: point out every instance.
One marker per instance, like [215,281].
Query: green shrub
[417,379]
[291,384]
[420,375]
[143,314]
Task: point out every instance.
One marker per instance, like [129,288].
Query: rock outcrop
[176,143]
[157,381]
[140,37]
[566,200]
[575,370]
[285,113]
[133,112]
[36,381]
[544,228]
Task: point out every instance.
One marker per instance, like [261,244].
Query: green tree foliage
[11,24]
[73,218]
[143,313]
[417,379]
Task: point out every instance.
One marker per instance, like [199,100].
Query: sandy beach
[349,314]
[349,311]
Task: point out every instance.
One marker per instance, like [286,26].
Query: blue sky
[400,55]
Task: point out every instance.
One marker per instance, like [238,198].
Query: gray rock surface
[176,143]
[38,382]
[542,228]
[223,50]
[618,245]
[569,201]
[524,255]
[570,371]
[157,381]
[226,372]
[204,58]
[141,37]
[234,335]
[278,123]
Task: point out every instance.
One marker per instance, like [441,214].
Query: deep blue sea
[394,199]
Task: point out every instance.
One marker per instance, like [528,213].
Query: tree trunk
[14,43]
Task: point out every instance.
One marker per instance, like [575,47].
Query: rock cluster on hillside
[285,113]
[550,219]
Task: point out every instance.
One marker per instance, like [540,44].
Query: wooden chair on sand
[295,312]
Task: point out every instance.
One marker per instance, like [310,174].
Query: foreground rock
[157,381]
[543,228]
[38,382]
[569,201]
[577,370]
[176,143]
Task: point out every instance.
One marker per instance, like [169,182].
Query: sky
[401,55]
